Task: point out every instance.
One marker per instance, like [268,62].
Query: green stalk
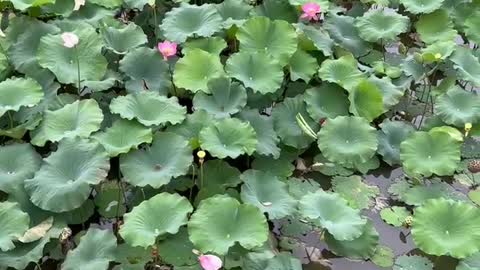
[78,71]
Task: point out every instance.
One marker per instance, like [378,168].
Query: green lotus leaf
[298,187]
[80,118]
[168,157]
[19,92]
[25,4]
[122,136]
[414,262]
[467,65]
[362,247]
[132,258]
[442,48]
[458,107]
[219,175]
[430,153]
[149,108]
[63,182]
[191,20]
[470,263]
[107,3]
[275,38]
[139,4]
[376,24]
[141,228]
[95,251]
[439,228]
[302,66]
[177,249]
[333,213]
[121,40]
[422,6]
[277,10]
[190,128]
[393,133]
[196,69]
[146,70]
[383,256]
[326,167]
[62,61]
[266,135]
[255,70]
[285,122]
[471,28]
[213,45]
[14,223]
[327,101]
[284,261]
[391,93]
[228,138]
[395,215]
[220,221]
[13,171]
[281,167]
[233,12]
[418,195]
[110,199]
[366,100]
[342,71]
[268,193]
[435,26]
[320,39]
[343,31]
[107,82]
[226,98]
[347,140]
[358,194]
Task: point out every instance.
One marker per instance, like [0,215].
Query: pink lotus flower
[210,262]
[78,4]
[167,49]
[310,11]
[70,40]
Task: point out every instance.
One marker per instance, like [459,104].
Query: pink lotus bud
[167,49]
[70,40]
[310,11]
[210,262]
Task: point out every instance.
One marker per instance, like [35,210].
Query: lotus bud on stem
[468,127]
[201,158]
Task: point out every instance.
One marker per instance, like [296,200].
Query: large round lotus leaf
[366,100]
[190,128]
[255,70]
[62,61]
[78,119]
[342,71]
[302,66]
[266,135]
[471,28]
[380,25]
[229,137]
[149,108]
[218,175]
[107,3]
[233,12]
[268,193]
[286,125]
[17,163]
[412,263]
[327,101]
[121,40]
[122,136]
[132,258]
[191,20]
[276,38]
[430,153]
[25,4]
[213,45]
[277,10]
[110,199]
[94,252]
[146,70]
[168,157]
[435,26]
[14,223]
[326,167]
[283,261]
[333,213]
[439,228]
[470,263]
[467,65]
[393,133]
[142,226]
[19,92]
[63,182]
[358,194]
[362,247]
[391,93]
[177,249]
[320,38]
[226,98]
[343,31]
[196,69]
[422,6]
[347,140]
[444,48]
[458,107]
[221,221]
[419,194]
[281,166]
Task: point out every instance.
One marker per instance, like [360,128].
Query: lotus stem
[10,119]
[78,71]
[193,183]
[305,127]
[154,7]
